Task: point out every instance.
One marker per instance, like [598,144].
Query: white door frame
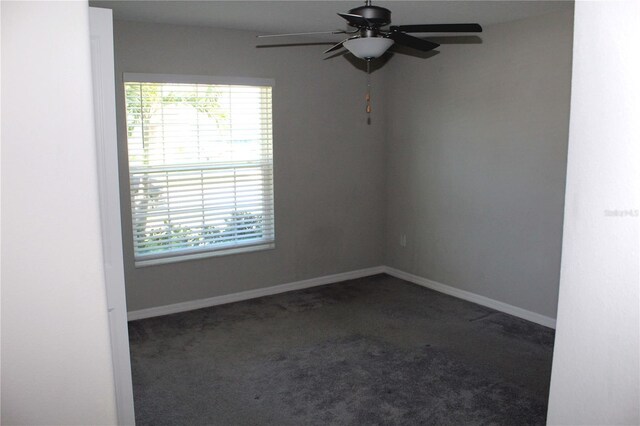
[102,63]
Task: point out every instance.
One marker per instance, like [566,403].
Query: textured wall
[596,361]
[56,359]
[329,196]
[477,140]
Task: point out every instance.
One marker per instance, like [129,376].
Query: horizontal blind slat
[186,212]
[211,182]
[222,247]
[202,167]
[210,195]
[201,237]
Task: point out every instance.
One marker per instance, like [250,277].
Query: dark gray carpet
[371,351]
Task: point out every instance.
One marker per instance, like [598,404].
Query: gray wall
[477,141]
[329,184]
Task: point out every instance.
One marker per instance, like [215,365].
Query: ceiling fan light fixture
[368,47]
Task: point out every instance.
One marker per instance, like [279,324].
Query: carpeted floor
[372,351]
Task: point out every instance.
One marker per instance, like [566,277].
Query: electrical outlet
[403,240]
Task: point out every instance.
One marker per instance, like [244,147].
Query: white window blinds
[200,166]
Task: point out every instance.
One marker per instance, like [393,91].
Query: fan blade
[438,28]
[301,34]
[355,20]
[413,42]
[339,45]
[335,47]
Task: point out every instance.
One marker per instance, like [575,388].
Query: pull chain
[368,95]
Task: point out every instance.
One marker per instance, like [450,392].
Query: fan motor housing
[379,16]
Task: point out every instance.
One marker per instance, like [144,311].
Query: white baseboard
[330,279]
[251,294]
[472,297]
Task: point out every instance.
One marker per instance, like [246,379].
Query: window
[200,166]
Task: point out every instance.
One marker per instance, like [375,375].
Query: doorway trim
[102,65]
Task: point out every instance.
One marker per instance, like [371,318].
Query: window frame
[191,254]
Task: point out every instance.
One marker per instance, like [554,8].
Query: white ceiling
[300,16]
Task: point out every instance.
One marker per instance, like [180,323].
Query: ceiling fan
[368,40]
